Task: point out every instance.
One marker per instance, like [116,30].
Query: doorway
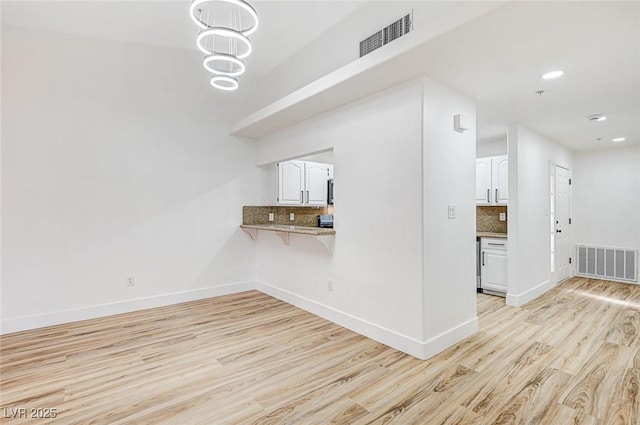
[560,211]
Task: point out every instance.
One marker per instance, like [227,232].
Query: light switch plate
[271,218]
[292,216]
[503,217]
[452,212]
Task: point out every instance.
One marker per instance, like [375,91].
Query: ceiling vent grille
[386,35]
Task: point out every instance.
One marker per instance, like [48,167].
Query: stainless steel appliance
[478,267]
[330,191]
[325,220]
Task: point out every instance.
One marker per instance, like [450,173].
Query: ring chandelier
[223,29]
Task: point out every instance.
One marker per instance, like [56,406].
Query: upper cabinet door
[291,183]
[483,181]
[316,176]
[500,179]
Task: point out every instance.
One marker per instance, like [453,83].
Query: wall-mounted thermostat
[461,123]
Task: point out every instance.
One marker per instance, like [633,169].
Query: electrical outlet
[452,212]
[271,218]
[330,285]
[131,281]
[292,216]
[503,216]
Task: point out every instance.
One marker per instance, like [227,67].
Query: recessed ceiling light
[619,139]
[552,74]
[597,117]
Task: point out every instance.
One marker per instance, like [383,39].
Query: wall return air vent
[387,34]
[607,263]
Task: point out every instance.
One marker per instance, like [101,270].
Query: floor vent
[608,263]
[387,34]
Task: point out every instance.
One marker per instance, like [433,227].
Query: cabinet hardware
[302,196]
[496,200]
[488,194]
[307,196]
[483,258]
[495,244]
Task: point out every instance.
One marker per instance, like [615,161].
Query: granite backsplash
[304,216]
[488,219]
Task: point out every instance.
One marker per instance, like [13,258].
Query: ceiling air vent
[386,35]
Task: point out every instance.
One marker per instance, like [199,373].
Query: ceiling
[498,58]
[495,59]
[167,23]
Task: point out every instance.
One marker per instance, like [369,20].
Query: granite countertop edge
[303,230]
[491,235]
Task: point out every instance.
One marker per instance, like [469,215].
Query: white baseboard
[420,349]
[521,299]
[446,339]
[101,310]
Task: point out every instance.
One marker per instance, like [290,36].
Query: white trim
[518,300]
[420,349]
[447,339]
[23,323]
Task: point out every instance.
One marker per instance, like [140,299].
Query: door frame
[552,229]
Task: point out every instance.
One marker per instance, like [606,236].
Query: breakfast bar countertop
[491,235]
[304,230]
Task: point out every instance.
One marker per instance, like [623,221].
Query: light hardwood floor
[569,357]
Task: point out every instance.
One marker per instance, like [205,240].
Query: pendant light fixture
[223,29]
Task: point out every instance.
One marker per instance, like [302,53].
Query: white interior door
[562,231]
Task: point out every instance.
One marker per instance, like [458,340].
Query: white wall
[340,44]
[449,244]
[116,162]
[386,284]
[606,197]
[376,264]
[529,261]
[492,148]
[325,157]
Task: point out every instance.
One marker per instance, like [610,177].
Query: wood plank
[571,356]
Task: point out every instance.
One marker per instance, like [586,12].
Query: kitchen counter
[324,235]
[491,235]
[303,230]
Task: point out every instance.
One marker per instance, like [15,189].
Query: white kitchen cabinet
[291,175]
[302,183]
[492,180]
[493,265]
[483,181]
[500,179]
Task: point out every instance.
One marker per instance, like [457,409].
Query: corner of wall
[448,267]
[419,349]
[17,324]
